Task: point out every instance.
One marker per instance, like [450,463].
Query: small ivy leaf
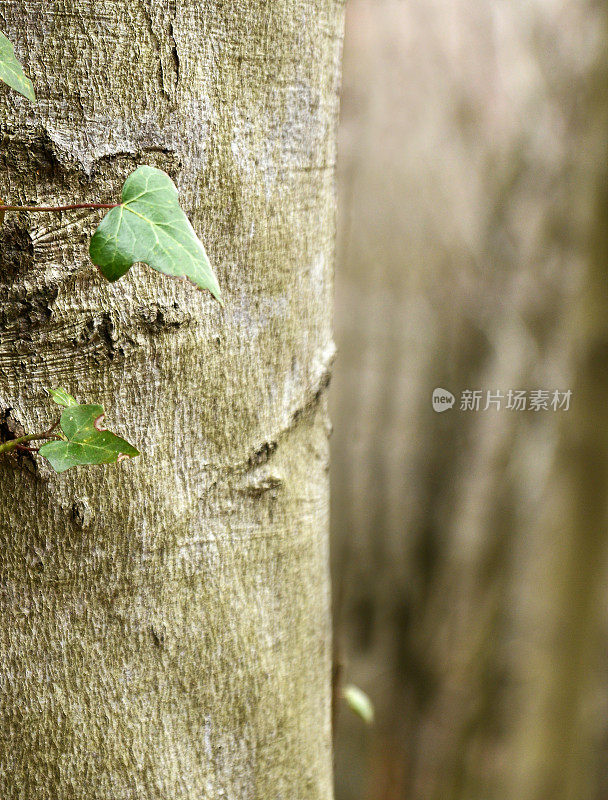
[62,398]
[11,71]
[86,442]
[149,226]
[359,703]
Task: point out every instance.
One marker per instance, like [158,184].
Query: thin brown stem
[13,444]
[34,209]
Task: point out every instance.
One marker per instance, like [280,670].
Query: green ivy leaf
[359,703]
[86,441]
[150,226]
[11,71]
[62,398]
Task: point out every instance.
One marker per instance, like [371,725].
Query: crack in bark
[174,52]
[168,85]
[310,402]
[10,429]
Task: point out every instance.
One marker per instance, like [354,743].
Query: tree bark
[164,624]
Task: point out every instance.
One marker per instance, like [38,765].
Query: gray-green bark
[164,623]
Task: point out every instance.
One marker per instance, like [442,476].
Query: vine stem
[12,444]
[57,208]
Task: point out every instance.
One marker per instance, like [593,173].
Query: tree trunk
[164,624]
[474,566]
[560,747]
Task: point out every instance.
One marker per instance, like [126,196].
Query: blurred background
[469,546]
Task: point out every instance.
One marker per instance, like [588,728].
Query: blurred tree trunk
[471,546]
[164,626]
[561,735]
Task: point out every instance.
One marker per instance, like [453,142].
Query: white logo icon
[442,400]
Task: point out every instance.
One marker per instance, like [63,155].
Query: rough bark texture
[164,624]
